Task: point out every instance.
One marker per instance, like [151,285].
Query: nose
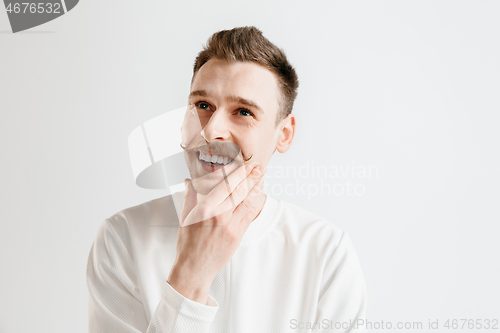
[217,127]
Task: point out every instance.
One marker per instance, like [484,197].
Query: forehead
[247,80]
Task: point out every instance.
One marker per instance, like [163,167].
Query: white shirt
[293,272]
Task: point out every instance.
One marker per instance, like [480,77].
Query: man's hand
[211,230]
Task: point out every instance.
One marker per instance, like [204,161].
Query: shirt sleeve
[342,302]
[115,300]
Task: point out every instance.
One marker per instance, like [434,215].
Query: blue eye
[248,113]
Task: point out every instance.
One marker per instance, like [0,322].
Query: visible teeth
[215,158]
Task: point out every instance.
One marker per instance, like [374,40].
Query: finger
[242,189]
[199,215]
[246,210]
[222,191]
[190,199]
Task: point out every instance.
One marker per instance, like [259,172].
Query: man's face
[232,112]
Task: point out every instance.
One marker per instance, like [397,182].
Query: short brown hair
[248,44]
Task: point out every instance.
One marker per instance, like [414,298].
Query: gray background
[409,87]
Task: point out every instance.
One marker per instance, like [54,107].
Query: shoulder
[303,227]
[157,211]
[138,220]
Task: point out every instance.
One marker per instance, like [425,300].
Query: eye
[245,112]
[203,105]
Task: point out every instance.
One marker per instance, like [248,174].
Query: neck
[259,203]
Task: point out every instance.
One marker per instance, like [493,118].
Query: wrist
[190,286]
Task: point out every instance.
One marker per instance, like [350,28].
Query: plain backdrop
[408,90]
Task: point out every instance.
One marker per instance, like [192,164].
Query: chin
[203,186]
[204,175]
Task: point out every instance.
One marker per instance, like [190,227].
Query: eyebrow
[231,98]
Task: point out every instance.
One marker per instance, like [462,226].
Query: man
[236,260]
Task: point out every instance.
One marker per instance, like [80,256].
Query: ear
[286,133]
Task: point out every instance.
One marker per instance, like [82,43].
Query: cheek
[266,141]
[190,128]
[253,146]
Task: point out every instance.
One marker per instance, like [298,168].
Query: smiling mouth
[213,160]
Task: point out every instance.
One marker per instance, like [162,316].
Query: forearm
[116,303]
